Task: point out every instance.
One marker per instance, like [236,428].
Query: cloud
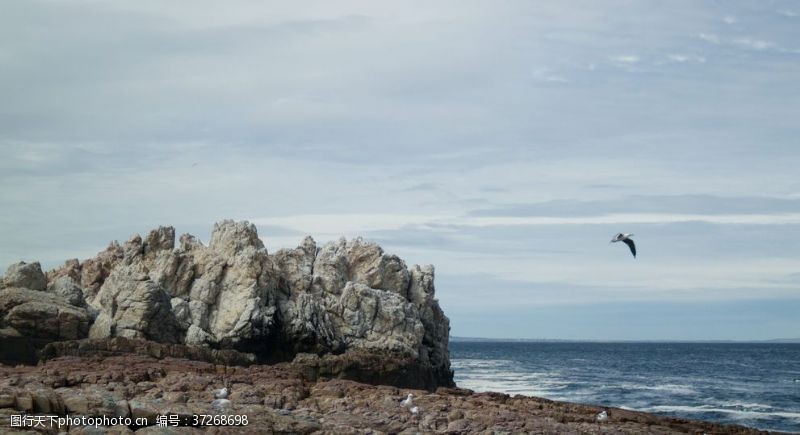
[547,75]
[628,58]
[748,43]
[683,58]
[667,205]
[755,44]
[709,37]
[641,218]
[678,58]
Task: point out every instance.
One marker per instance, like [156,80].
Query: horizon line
[589,340]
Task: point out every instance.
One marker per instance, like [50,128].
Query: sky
[505,142]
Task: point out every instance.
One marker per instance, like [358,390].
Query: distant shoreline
[557,340]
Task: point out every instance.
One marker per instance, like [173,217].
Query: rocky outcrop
[345,301]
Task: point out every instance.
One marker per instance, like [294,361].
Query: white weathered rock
[68,288]
[183,315]
[295,266]
[374,319]
[358,261]
[25,275]
[307,323]
[133,306]
[196,336]
[230,238]
[346,295]
[158,240]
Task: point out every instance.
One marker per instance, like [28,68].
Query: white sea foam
[734,413]
[669,388]
[502,376]
[479,363]
[745,406]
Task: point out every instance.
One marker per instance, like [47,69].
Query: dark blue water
[755,385]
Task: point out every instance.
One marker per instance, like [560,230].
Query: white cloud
[730,19]
[547,75]
[755,44]
[638,218]
[709,37]
[329,226]
[684,58]
[628,58]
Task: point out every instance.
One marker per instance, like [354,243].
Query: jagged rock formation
[346,297]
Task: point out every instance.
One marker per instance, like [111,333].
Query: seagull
[603,416]
[415,410]
[221,394]
[408,402]
[625,238]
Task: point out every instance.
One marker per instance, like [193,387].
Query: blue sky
[503,142]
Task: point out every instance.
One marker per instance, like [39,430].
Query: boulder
[67,288]
[133,306]
[41,315]
[25,275]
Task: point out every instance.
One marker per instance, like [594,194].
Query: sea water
[755,385]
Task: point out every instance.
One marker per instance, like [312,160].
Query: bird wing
[630,244]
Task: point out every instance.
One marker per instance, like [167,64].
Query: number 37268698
[219,420]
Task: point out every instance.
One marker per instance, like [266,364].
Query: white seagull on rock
[603,416]
[408,402]
[625,238]
[221,393]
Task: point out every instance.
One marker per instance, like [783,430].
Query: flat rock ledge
[282,399]
[119,346]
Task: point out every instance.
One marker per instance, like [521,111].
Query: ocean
[756,385]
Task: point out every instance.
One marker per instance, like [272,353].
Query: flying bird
[625,238]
